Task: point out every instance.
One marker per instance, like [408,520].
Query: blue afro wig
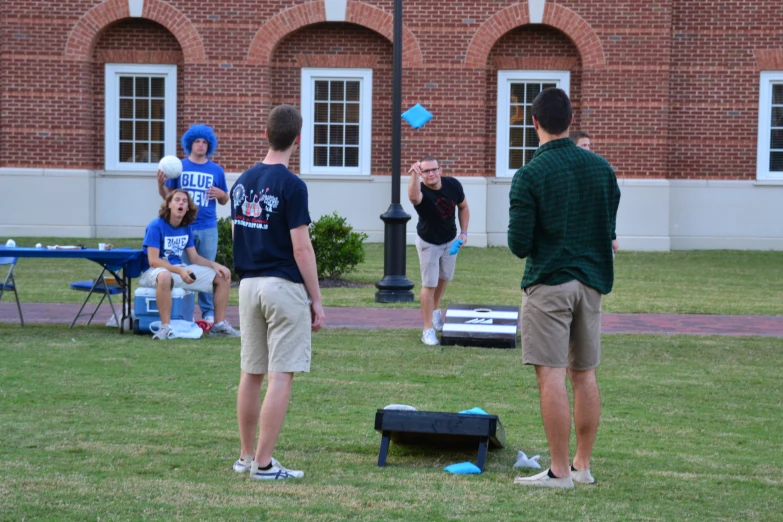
[200,131]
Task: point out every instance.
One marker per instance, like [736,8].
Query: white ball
[171,166]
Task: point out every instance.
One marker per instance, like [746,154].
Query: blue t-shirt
[267,202]
[196,179]
[171,241]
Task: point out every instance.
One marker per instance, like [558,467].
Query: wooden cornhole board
[457,430]
[490,326]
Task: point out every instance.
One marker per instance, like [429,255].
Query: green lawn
[98,425]
[699,282]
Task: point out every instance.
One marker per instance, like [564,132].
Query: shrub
[337,248]
[225,250]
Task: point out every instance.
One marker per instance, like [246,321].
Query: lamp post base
[395,287]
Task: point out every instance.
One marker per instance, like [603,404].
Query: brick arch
[359,13]
[85,33]
[557,16]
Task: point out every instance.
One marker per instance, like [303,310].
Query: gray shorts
[561,326]
[435,262]
[205,276]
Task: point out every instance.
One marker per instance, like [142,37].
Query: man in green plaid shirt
[562,219]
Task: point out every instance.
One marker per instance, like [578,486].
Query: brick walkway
[737,325]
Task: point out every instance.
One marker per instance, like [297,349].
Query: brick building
[684,98]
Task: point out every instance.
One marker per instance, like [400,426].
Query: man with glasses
[435,199]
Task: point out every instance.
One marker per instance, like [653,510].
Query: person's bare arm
[305,260]
[463,215]
[414,185]
[163,190]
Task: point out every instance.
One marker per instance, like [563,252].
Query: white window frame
[505,78]
[767,80]
[113,71]
[309,76]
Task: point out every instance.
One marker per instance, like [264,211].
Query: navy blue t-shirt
[267,202]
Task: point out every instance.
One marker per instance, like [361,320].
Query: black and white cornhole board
[491,326]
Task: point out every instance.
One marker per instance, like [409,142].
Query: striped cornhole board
[491,326]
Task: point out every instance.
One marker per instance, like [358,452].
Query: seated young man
[166,238]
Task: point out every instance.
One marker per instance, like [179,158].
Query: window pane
[157,152]
[321,134]
[337,91]
[352,112]
[321,90]
[335,156]
[142,130]
[158,88]
[158,109]
[517,93]
[126,130]
[529,156]
[528,117]
[514,158]
[777,116]
[336,112]
[126,108]
[336,135]
[517,115]
[142,87]
[351,156]
[351,134]
[322,112]
[142,109]
[142,153]
[126,86]
[531,91]
[531,138]
[352,91]
[549,86]
[126,152]
[156,131]
[777,94]
[319,156]
[776,162]
[776,139]
[516,137]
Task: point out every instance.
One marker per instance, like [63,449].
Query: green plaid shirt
[562,216]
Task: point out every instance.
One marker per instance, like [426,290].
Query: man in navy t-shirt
[205,181]
[279,295]
[167,239]
[435,199]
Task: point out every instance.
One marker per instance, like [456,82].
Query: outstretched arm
[414,185]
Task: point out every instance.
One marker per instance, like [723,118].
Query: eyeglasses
[436,169]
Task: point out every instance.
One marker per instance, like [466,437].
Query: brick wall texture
[667,89]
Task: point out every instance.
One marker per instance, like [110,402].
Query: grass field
[699,282]
[101,426]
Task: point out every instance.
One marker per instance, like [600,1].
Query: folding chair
[9,284]
[99,286]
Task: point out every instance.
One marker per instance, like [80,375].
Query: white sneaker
[437,320]
[209,319]
[224,328]
[243,464]
[430,337]
[543,480]
[276,472]
[164,334]
[582,476]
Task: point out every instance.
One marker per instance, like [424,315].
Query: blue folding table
[128,261]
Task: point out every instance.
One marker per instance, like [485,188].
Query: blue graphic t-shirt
[196,179]
[267,202]
[171,241]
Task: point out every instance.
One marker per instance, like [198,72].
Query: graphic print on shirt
[197,183]
[445,207]
[174,245]
[256,208]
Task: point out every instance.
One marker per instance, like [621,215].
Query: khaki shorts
[205,276]
[561,326]
[274,318]
[435,262]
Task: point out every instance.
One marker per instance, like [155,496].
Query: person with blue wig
[205,181]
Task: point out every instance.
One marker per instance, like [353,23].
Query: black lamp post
[395,287]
